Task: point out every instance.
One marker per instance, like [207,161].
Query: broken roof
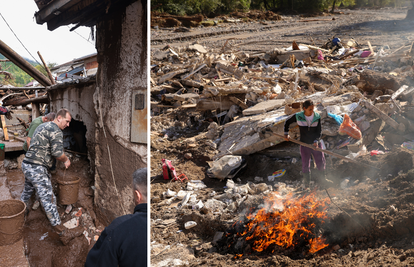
[58,13]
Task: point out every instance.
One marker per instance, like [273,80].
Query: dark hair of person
[307,104]
[50,116]
[140,181]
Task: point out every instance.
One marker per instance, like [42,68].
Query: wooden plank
[239,102]
[399,92]
[370,48]
[3,122]
[384,117]
[324,151]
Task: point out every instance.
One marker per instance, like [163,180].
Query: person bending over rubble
[124,241]
[309,123]
[46,144]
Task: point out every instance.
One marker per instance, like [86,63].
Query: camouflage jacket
[47,142]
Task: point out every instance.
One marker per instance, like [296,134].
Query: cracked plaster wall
[77,99]
[122,58]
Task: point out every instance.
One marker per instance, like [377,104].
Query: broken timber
[3,123]
[400,127]
[324,151]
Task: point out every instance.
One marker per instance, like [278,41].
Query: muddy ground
[371,212]
[41,244]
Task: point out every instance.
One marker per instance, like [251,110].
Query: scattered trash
[258,179]
[224,167]
[170,193]
[195,185]
[276,174]
[44,236]
[190,224]
[36,205]
[72,223]
[79,213]
[168,170]
[68,209]
[377,152]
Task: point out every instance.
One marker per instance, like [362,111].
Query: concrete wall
[122,58]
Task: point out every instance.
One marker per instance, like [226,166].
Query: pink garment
[320,55]
[365,54]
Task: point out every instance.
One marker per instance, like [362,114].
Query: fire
[286,221]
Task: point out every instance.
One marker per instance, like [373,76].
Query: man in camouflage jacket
[46,144]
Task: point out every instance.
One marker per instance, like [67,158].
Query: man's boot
[306,179]
[66,235]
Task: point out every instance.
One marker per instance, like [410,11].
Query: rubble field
[233,194]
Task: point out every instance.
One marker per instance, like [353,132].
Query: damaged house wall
[76,97]
[122,53]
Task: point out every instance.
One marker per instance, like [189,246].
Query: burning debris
[282,225]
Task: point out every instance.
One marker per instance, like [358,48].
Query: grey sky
[58,46]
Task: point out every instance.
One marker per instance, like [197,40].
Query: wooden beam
[324,151]
[22,88]
[24,101]
[238,102]
[47,69]
[3,123]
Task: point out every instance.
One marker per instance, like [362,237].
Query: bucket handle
[21,228]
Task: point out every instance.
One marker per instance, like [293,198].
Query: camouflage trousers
[37,178]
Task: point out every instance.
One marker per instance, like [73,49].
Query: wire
[82,37]
[21,42]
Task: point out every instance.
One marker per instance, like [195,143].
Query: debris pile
[248,97]
[216,114]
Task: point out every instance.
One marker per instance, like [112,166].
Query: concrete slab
[264,107]
[13,145]
[252,134]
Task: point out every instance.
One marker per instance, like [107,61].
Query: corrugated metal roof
[74,71]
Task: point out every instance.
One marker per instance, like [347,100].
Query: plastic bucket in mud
[2,151]
[11,221]
[68,191]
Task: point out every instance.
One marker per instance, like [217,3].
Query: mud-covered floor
[42,246]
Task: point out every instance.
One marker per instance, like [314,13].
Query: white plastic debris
[170,193]
[190,224]
[181,194]
[230,183]
[198,206]
[258,179]
[215,205]
[44,236]
[192,200]
[185,200]
[195,184]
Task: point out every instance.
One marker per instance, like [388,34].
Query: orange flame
[283,219]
